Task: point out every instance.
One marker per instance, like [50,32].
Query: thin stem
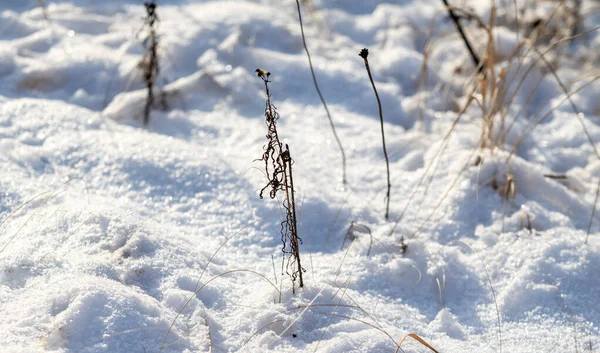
[152,66]
[476,60]
[312,71]
[294,223]
[364,54]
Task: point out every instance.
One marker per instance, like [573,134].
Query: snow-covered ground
[111,232]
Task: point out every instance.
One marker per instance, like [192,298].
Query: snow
[116,237]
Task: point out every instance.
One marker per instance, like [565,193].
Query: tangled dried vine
[278,168]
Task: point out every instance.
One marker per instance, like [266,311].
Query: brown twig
[291,210]
[364,54]
[474,56]
[151,63]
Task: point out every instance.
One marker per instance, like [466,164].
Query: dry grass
[493,87]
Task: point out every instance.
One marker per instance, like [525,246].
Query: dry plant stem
[541,57]
[278,168]
[573,106]
[289,191]
[532,126]
[524,76]
[499,90]
[364,54]
[416,338]
[539,121]
[314,77]
[585,130]
[517,21]
[151,66]
[576,26]
[476,60]
[531,43]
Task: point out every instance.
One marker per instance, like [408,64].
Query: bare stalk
[576,25]
[474,56]
[291,209]
[150,61]
[314,77]
[364,54]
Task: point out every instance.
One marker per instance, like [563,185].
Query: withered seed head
[262,73]
[364,53]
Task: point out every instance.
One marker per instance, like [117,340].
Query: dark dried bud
[262,73]
[364,53]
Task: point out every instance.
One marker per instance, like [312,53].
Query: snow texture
[116,237]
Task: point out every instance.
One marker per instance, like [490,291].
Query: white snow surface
[108,228]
